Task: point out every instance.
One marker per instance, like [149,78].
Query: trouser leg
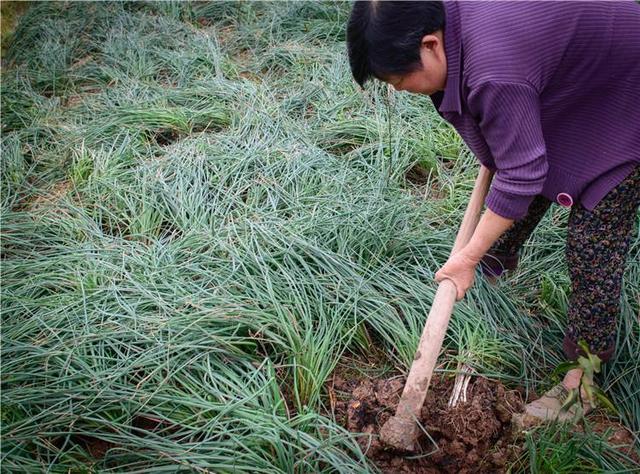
[598,243]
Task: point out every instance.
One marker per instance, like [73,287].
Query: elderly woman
[546,95]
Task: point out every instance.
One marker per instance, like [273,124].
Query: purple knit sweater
[547,94]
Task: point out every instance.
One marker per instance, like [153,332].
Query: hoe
[401,431]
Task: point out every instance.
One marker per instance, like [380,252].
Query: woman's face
[432,77]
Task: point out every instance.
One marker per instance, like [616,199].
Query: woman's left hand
[460,268]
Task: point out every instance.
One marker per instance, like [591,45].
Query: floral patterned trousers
[596,252]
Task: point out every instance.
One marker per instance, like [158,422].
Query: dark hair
[383,37]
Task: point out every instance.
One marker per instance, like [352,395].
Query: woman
[546,95]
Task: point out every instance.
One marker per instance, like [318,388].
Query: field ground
[218,255]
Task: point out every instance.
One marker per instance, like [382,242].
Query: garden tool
[401,431]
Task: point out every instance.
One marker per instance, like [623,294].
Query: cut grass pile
[202,214]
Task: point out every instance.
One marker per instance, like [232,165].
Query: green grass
[559,449]
[202,215]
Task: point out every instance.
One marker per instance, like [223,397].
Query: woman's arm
[489,229]
[508,115]
[460,268]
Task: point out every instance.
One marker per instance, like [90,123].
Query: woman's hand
[461,269]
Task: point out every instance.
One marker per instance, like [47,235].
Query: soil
[97,448]
[474,437]
[617,435]
[54,194]
[417,175]
[419,183]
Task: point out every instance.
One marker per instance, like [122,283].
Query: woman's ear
[431,42]
[433,45]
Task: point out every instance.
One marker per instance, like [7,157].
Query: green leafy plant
[590,364]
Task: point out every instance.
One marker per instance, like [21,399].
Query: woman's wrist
[489,229]
[473,253]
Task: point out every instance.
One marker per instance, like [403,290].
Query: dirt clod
[474,437]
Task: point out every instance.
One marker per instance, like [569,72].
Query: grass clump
[559,448]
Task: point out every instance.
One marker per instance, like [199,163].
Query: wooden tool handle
[415,389]
[474,209]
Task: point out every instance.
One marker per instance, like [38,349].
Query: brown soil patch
[417,175]
[616,434]
[52,196]
[474,437]
[82,61]
[421,184]
[97,448]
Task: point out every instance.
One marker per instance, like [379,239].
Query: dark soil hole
[418,175]
[144,425]
[166,137]
[474,437]
[96,447]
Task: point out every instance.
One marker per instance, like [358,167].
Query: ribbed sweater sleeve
[509,118]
